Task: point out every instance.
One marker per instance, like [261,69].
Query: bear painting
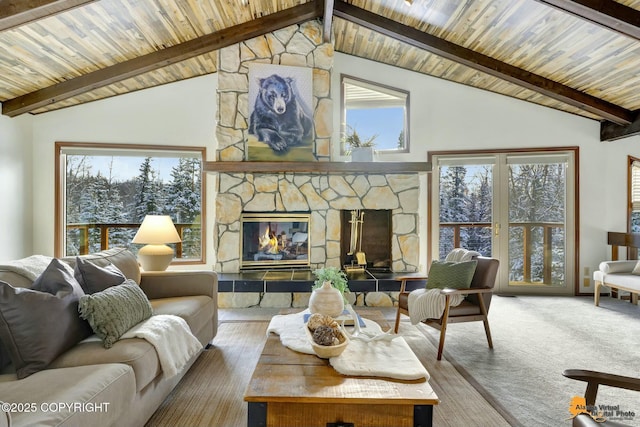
[280,118]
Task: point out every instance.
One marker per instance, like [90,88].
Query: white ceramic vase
[326,300]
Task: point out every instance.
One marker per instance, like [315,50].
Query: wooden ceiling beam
[480,62]
[612,131]
[162,58]
[604,13]
[14,13]
[327,20]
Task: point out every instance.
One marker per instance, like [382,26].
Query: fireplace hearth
[274,240]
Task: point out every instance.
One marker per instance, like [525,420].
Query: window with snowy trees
[634,194]
[517,207]
[108,189]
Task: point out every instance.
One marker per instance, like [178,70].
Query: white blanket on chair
[172,339]
[428,304]
[390,359]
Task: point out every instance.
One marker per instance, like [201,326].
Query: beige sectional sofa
[89,385]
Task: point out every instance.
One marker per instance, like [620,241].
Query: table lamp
[155,231]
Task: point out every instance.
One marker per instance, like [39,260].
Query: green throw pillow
[457,275]
[115,310]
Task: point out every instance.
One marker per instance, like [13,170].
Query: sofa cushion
[139,354]
[195,310]
[627,281]
[610,267]
[86,387]
[115,310]
[456,275]
[38,324]
[94,278]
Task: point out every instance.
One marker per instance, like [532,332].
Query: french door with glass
[517,207]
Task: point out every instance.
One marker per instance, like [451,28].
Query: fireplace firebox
[274,240]
[367,245]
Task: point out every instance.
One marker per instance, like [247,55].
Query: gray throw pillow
[94,278]
[457,275]
[5,358]
[115,310]
[39,324]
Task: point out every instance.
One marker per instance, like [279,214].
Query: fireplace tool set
[356,259]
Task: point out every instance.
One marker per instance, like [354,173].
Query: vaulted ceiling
[577,56]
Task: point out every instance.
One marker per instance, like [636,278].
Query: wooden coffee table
[291,389]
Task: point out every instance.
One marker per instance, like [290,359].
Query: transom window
[105,191]
[376,112]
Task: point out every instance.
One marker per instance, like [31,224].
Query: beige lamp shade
[156,230]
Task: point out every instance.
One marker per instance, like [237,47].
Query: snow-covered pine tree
[453,204]
[184,203]
[148,192]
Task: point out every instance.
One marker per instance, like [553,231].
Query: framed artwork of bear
[280,114]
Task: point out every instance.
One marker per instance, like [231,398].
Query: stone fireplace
[325,196]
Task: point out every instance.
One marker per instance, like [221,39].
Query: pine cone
[318,319]
[325,335]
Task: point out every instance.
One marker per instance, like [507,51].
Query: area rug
[535,339]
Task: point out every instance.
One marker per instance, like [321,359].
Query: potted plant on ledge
[328,290]
[361,148]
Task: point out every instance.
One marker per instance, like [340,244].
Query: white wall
[15,187]
[450,116]
[182,113]
[444,116]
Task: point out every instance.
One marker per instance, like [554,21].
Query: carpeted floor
[535,339]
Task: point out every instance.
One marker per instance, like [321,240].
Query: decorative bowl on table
[336,348]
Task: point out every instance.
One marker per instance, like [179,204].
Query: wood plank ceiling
[577,56]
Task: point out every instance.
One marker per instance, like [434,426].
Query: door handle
[496,229]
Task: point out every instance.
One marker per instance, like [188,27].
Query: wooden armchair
[474,307]
[594,380]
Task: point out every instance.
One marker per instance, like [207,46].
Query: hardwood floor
[211,394]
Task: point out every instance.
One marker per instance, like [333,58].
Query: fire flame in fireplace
[268,242]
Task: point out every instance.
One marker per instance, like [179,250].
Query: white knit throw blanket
[429,304]
[390,359]
[30,267]
[426,304]
[172,339]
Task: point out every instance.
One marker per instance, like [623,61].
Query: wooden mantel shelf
[336,167]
